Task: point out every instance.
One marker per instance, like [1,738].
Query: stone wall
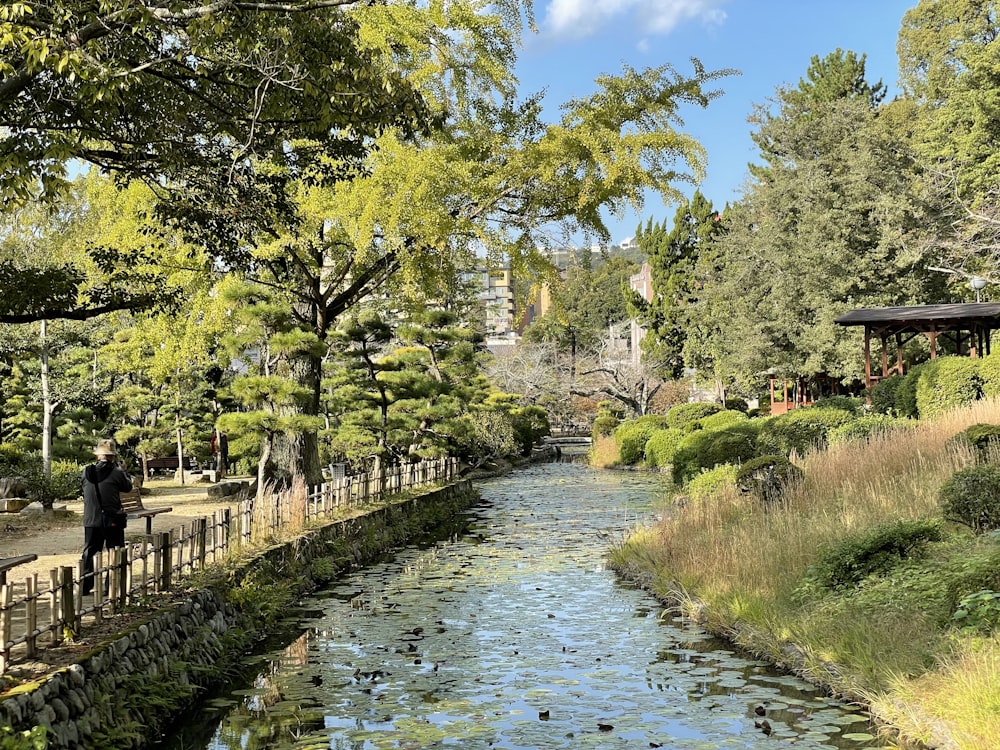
[122,692]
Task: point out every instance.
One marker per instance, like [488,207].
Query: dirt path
[59,541]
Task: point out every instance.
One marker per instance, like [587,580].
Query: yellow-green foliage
[661,446]
[631,437]
[947,383]
[722,419]
[710,482]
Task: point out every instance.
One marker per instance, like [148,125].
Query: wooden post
[54,628]
[227,529]
[6,597]
[31,614]
[68,608]
[202,539]
[885,356]
[899,354]
[932,335]
[165,554]
[868,357]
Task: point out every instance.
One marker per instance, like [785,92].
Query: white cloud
[585,17]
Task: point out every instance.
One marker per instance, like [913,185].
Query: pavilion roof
[924,315]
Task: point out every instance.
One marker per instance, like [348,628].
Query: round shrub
[875,551]
[801,429]
[737,404]
[981,438]
[631,437]
[662,445]
[683,414]
[766,477]
[972,497]
[864,427]
[604,426]
[722,419]
[706,450]
[708,483]
[947,383]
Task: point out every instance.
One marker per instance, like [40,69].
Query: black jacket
[113,481]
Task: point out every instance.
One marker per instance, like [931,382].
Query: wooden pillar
[932,335]
[885,356]
[868,357]
[899,354]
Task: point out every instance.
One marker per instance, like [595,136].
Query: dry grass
[743,562]
[961,699]
[730,545]
[604,452]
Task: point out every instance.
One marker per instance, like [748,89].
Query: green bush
[737,404]
[766,477]
[864,427]
[662,445]
[631,437]
[683,414]
[972,497]
[883,395]
[981,438]
[844,403]
[871,553]
[979,611]
[906,394]
[989,375]
[800,429]
[604,426]
[708,483]
[947,383]
[706,450]
[721,420]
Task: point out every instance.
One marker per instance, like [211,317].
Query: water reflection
[513,635]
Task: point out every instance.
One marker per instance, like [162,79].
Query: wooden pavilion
[967,326]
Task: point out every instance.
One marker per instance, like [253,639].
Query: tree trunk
[298,454]
[46,401]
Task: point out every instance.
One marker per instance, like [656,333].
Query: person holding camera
[104,518]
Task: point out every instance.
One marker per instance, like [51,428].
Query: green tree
[824,228]
[672,257]
[948,67]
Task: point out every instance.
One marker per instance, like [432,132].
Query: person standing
[104,518]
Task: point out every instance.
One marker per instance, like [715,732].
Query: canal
[509,632]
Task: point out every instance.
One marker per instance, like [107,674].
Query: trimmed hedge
[706,449]
[631,437]
[706,484]
[801,429]
[864,427]
[662,445]
[873,552]
[980,438]
[722,419]
[682,415]
[766,477]
[947,383]
[972,497]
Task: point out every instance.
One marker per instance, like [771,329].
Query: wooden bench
[9,563]
[168,463]
[133,507]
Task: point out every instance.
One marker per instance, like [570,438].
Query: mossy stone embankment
[122,692]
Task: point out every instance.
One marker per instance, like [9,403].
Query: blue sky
[770,41]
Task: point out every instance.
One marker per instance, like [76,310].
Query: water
[514,635]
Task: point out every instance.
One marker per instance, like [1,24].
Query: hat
[106,448]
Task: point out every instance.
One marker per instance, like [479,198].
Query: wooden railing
[31,615]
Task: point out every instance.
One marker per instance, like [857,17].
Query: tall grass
[744,560]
